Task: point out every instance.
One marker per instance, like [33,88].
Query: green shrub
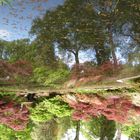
[49,109]
[39,75]
[57,77]
[132,131]
[47,77]
[7,133]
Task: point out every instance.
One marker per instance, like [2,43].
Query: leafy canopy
[48,109]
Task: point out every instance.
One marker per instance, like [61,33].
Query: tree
[118,18]
[45,53]
[62,30]
[21,49]
[73,33]
[107,16]
[2,2]
[130,12]
[4,53]
[18,49]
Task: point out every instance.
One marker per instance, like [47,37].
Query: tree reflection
[51,130]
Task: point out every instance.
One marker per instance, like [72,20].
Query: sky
[16,20]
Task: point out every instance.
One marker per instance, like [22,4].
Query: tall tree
[73,27]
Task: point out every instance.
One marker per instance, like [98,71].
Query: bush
[129,70]
[109,68]
[7,133]
[49,109]
[47,77]
[39,75]
[91,70]
[56,77]
[19,71]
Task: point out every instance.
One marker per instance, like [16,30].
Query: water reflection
[69,117]
[13,114]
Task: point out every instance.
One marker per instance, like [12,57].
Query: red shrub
[13,115]
[109,68]
[81,70]
[5,69]
[20,68]
[113,108]
[86,73]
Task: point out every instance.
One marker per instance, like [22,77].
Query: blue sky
[15,20]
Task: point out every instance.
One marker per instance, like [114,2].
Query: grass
[108,92]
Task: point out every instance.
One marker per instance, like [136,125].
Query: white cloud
[4,34]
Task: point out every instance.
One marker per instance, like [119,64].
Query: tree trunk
[76,58]
[98,58]
[77,130]
[112,47]
[77,71]
[102,55]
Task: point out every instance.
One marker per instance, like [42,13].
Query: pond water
[69,117]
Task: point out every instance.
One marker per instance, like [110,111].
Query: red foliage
[87,71]
[13,115]
[113,108]
[109,68]
[20,68]
[5,68]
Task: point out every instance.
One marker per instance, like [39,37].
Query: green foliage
[92,128]
[108,129]
[7,93]
[99,128]
[57,77]
[51,130]
[45,131]
[9,134]
[130,70]
[132,131]
[48,77]
[39,74]
[5,2]
[49,109]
